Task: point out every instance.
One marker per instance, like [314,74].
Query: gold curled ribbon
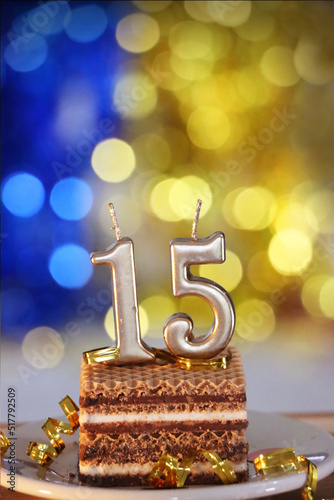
[4,443]
[102,355]
[43,453]
[106,354]
[175,475]
[194,364]
[285,460]
[311,481]
[279,461]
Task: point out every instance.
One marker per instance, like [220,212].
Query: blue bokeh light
[18,309]
[46,19]
[85,24]
[71,199]
[51,83]
[70,266]
[76,116]
[23,194]
[43,80]
[117,10]
[32,266]
[65,232]
[26,54]
[49,17]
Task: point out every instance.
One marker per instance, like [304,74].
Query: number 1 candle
[178,330]
[120,257]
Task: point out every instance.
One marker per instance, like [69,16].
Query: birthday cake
[131,415]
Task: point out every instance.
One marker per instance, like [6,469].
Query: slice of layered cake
[131,415]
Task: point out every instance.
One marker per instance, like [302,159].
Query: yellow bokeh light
[137,33]
[109,322]
[296,215]
[303,191]
[228,274]
[152,151]
[113,160]
[190,40]
[179,144]
[261,274]
[128,213]
[222,43]
[163,73]
[326,298]
[227,97]
[157,308]
[311,294]
[166,20]
[43,348]
[212,95]
[239,126]
[321,203]
[228,204]
[185,193]
[255,320]
[229,13]
[290,252]
[152,5]
[160,200]
[252,87]
[277,66]
[135,95]
[254,208]
[208,127]
[258,27]
[197,10]
[204,92]
[191,69]
[312,61]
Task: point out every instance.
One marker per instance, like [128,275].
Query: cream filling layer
[222,416]
[143,469]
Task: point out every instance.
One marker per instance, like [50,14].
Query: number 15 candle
[178,330]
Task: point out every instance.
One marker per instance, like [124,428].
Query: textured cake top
[153,379]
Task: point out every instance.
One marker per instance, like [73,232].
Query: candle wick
[195,221]
[114,219]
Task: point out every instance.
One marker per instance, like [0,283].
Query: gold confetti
[175,475]
[285,460]
[4,443]
[43,454]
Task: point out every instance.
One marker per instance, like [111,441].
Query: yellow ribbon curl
[42,453]
[176,475]
[285,460]
[106,354]
[4,443]
[194,364]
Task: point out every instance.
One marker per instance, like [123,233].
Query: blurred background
[152,105]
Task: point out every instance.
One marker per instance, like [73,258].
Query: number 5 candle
[178,330]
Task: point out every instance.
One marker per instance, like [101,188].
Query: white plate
[266,430]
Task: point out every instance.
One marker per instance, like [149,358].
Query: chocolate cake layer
[168,405]
[115,404]
[131,415]
[144,427]
[126,448]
